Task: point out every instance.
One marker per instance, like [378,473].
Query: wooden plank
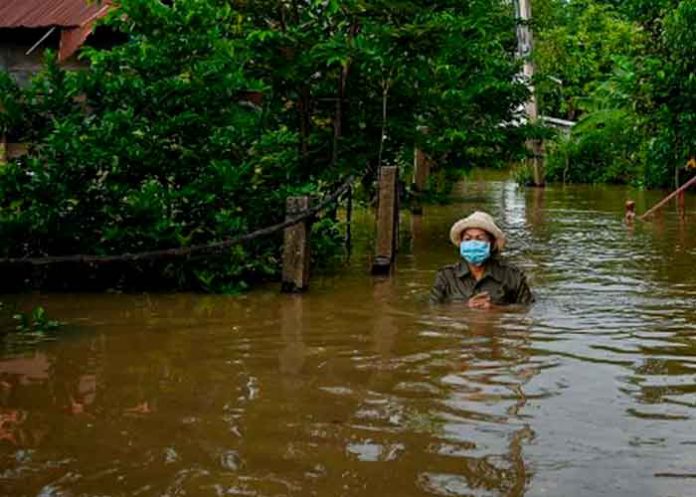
[669,197]
[296,254]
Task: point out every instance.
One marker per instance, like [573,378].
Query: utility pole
[525,44]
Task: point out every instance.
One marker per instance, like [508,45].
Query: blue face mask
[475,252]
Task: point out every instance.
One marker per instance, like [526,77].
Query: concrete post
[296,248]
[525,46]
[387,221]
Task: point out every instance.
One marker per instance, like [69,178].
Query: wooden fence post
[421,170]
[296,248]
[387,221]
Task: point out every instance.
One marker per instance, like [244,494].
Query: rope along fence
[292,220]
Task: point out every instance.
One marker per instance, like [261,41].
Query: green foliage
[36,320]
[211,113]
[159,155]
[576,51]
[677,95]
[327,243]
[637,101]
[602,149]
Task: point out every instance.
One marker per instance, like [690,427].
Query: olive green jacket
[504,283]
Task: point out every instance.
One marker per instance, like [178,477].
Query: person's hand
[480,301]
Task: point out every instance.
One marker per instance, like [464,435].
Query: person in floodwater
[482,278]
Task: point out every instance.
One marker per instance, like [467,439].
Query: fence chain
[183,251]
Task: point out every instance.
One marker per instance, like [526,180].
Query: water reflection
[483,410]
[361,388]
[292,356]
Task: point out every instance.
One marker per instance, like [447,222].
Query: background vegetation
[626,69]
[212,112]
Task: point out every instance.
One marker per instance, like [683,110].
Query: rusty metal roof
[45,13]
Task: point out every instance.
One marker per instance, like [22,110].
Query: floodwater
[360,388]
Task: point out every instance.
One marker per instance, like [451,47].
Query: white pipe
[41,40]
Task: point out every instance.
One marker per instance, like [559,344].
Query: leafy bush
[154,154]
[199,125]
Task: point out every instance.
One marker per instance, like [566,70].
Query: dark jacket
[504,283]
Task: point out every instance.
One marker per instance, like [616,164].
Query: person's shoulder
[449,268]
[448,272]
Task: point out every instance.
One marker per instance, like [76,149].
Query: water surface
[360,388]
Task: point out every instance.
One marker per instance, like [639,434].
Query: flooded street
[361,388]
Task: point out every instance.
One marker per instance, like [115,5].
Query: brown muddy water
[360,388]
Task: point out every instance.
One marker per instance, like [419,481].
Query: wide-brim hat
[482,221]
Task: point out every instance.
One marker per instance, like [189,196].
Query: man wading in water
[482,279]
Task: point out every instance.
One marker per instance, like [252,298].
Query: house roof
[74,18]
[47,13]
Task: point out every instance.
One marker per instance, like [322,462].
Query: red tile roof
[45,13]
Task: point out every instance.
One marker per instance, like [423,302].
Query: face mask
[475,252]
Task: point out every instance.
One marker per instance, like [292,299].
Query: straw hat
[480,220]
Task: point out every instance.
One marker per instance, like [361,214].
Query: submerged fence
[300,212]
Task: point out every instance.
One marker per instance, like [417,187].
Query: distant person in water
[482,278]
[630,214]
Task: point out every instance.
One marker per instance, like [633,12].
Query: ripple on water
[370,451]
